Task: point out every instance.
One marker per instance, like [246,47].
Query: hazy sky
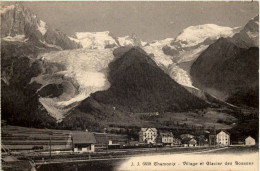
[148,20]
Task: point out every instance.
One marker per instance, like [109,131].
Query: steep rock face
[215,55]
[19,100]
[23,38]
[228,69]
[249,35]
[228,72]
[18,23]
[139,85]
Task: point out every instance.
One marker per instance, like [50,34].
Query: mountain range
[54,75]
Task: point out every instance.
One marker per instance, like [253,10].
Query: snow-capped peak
[168,53]
[95,40]
[194,35]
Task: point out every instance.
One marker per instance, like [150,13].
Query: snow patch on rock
[51,45]
[42,27]
[18,38]
[252,35]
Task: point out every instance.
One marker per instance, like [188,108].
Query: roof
[186,136]
[9,159]
[145,129]
[83,138]
[192,141]
[223,131]
[189,141]
[166,134]
[249,137]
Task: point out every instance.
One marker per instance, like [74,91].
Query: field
[221,118]
[26,139]
[237,150]
[207,119]
[112,159]
[22,138]
[114,163]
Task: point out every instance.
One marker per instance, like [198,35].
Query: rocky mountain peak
[20,24]
[249,35]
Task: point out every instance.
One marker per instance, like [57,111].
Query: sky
[147,20]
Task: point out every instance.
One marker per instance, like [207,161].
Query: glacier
[87,68]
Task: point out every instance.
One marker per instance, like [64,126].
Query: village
[30,147]
[151,137]
[40,140]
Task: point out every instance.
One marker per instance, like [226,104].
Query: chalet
[148,135]
[192,142]
[189,142]
[83,142]
[176,141]
[223,138]
[249,141]
[166,138]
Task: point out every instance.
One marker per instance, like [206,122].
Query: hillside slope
[139,85]
[228,72]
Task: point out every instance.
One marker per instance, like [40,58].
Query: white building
[166,138]
[249,141]
[148,135]
[83,142]
[223,138]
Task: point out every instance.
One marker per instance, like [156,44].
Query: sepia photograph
[129,86]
